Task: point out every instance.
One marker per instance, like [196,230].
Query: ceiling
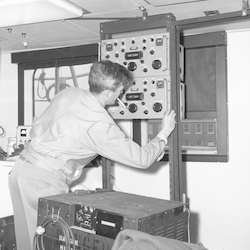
[72,32]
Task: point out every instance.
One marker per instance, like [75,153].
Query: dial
[157,107]
[156,64]
[132,108]
[132,66]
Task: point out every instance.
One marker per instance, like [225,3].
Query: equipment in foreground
[92,219]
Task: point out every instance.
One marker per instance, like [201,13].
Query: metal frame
[152,24]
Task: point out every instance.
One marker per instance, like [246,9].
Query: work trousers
[28,183]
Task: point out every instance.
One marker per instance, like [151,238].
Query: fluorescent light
[18,12]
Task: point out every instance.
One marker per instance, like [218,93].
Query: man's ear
[108,93]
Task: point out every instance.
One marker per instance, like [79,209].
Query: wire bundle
[38,238]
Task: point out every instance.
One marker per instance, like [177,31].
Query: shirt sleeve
[110,142]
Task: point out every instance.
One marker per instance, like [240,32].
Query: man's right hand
[168,123]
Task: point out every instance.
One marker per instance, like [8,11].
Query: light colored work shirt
[75,128]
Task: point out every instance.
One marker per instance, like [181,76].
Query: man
[71,132]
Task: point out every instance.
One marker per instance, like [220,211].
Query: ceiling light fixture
[211,12]
[19,12]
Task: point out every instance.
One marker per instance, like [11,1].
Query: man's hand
[167,124]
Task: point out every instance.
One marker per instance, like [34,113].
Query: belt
[31,159]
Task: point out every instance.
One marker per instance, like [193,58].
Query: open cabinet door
[204,127]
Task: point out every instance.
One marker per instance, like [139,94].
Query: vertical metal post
[106,180]
[57,83]
[175,154]
[74,78]
[20,94]
[106,163]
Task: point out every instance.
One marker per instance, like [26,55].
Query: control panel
[95,221]
[85,217]
[147,98]
[147,57]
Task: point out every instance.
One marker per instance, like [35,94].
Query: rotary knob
[156,64]
[157,107]
[132,108]
[132,66]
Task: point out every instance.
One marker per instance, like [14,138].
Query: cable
[2,131]
[69,237]
[41,80]
[188,225]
